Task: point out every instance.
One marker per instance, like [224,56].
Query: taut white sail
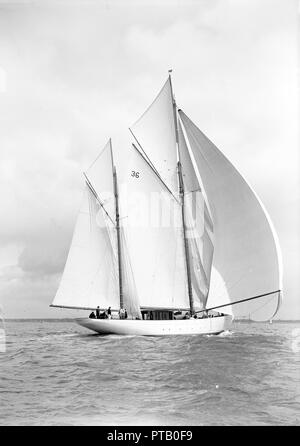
[246,252]
[90,276]
[154,239]
[155,133]
[199,227]
[130,294]
[100,177]
[92,272]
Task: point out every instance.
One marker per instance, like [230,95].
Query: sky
[73,74]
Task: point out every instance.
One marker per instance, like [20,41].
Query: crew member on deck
[98,312]
[109,312]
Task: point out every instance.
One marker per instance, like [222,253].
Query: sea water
[58,373]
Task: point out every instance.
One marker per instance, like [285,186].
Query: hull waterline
[212,325]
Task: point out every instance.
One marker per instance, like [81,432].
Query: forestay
[246,251]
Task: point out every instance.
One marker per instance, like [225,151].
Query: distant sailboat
[191,277]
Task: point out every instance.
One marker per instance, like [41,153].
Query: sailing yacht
[209,254]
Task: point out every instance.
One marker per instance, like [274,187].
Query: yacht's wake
[224,334]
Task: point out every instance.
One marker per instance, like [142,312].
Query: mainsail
[155,243]
[163,145]
[246,251]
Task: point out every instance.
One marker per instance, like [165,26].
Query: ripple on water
[56,373]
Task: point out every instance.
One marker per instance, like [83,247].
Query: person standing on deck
[98,312]
[109,312]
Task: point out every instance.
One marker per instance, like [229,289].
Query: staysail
[130,294]
[247,256]
[154,238]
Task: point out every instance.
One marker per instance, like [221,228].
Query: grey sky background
[72,74]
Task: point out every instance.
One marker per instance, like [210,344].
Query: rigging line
[195,166]
[279,301]
[88,183]
[214,148]
[109,243]
[133,302]
[182,200]
[140,146]
[81,308]
[155,172]
[262,306]
[101,153]
[239,301]
[229,288]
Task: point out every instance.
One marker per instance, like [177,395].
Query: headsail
[246,252]
[90,274]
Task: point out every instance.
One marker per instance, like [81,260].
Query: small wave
[55,336]
[226,333]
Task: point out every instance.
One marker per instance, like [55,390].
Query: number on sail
[135,174]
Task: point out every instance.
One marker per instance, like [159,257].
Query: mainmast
[118,229]
[182,197]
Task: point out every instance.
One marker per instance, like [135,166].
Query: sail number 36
[135,174]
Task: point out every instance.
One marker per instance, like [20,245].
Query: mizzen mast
[182,198]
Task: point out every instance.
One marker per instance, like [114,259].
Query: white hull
[213,325]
